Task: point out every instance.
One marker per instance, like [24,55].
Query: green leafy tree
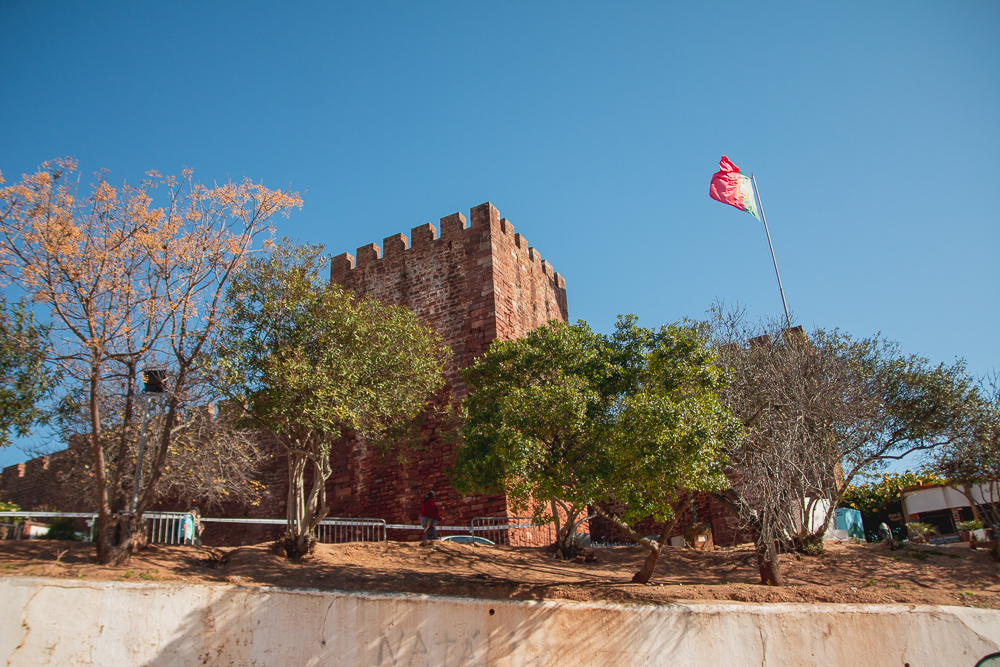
[566,417]
[529,424]
[26,381]
[311,364]
[8,522]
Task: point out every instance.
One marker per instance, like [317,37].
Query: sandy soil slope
[953,575]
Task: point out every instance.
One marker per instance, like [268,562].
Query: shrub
[61,528]
[969,525]
[920,529]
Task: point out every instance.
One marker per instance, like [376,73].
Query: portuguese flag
[731,187]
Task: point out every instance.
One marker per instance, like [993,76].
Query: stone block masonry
[473,281]
[38,484]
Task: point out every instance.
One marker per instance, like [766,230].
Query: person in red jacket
[430,517]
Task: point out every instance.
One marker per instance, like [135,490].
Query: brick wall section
[527,293]
[40,485]
[725,526]
[473,281]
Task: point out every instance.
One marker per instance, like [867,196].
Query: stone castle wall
[39,484]
[472,283]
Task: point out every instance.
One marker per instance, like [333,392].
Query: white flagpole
[763,218]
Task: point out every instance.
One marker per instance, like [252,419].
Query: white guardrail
[168,527]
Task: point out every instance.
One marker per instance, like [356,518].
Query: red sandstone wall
[39,485]
[473,283]
[527,292]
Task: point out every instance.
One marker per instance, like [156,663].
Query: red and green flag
[732,187]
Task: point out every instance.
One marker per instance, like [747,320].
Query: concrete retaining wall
[62,622]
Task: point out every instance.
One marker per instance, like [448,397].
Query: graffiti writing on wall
[399,649]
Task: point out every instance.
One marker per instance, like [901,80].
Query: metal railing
[338,529]
[513,531]
[331,530]
[11,531]
[19,534]
[168,527]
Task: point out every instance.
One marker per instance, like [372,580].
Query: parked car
[468,539]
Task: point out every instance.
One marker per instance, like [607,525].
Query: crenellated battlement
[454,227]
[473,280]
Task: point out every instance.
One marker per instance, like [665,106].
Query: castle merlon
[452,227]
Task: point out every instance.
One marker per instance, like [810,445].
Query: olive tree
[819,410]
[567,416]
[311,364]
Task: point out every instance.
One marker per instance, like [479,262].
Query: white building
[944,506]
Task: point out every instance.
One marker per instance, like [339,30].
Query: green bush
[920,529]
[10,507]
[61,528]
[969,525]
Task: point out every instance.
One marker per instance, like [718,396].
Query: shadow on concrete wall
[242,626]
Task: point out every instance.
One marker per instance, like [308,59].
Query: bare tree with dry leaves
[129,284]
[819,410]
[972,464]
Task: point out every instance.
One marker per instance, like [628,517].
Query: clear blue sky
[872,129]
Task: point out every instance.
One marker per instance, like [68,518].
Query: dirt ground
[852,573]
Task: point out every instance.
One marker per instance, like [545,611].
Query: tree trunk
[304,512]
[767,555]
[563,546]
[298,540]
[643,575]
[118,540]
[107,523]
[768,564]
[116,492]
[655,548]
[559,531]
[566,542]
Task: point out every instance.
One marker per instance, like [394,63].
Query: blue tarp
[849,520]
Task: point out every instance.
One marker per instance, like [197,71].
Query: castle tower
[472,283]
